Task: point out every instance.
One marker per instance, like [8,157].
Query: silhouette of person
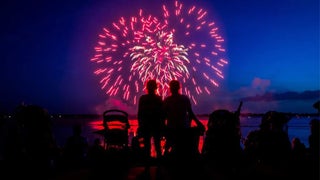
[76,148]
[314,137]
[31,146]
[298,148]
[269,147]
[97,158]
[222,141]
[313,154]
[179,115]
[150,119]
[316,105]
[182,157]
[96,152]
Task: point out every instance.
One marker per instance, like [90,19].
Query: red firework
[181,44]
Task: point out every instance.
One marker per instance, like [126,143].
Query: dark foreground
[128,165]
[29,150]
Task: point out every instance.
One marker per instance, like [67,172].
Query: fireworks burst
[181,44]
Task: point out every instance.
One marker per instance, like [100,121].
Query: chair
[116,125]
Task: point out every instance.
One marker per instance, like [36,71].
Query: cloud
[223,98]
[262,84]
[257,86]
[259,97]
[289,95]
[114,103]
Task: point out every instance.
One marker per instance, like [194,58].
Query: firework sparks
[182,44]
[160,59]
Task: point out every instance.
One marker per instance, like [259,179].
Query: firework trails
[182,43]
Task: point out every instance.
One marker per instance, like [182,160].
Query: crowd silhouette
[30,148]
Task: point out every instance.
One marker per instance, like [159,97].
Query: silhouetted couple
[170,118]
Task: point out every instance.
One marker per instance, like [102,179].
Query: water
[62,128]
[297,127]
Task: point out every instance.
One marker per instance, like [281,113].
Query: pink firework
[181,44]
[159,58]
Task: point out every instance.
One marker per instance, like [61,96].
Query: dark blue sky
[272,48]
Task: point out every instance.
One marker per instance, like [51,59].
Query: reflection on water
[298,127]
[97,125]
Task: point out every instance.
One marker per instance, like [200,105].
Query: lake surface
[62,127]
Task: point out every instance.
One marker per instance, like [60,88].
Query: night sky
[272,48]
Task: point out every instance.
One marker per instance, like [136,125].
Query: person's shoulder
[185,97]
[159,99]
[143,96]
[167,100]
[254,133]
[168,97]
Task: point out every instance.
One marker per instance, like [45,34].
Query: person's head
[174,86]
[77,129]
[151,85]
[96,142]
[314,125]
[296,142]
[273,120]
[33,117]
[222,119]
